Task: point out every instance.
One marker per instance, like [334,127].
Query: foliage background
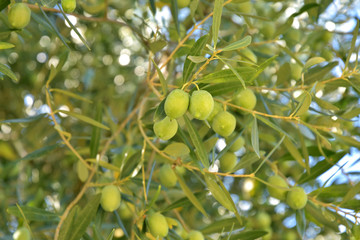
[116,78]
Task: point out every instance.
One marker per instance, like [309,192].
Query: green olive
[196,235]
[224,123]
[217,108]
[167,176]
[268,29]
[262,220]
[19,15]
[93,6]
[245,98]
[296,70]
[244,7]
[158,225]
[110,198]
[290,235]
[249,55]
[166,128]
[82,171]
[239,142]
[126,210]
[22,233]
[227,162]
[278,193]
[68,5]
[176,103]
[201,104]
[296,198]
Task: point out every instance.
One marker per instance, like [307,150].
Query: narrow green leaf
[314,212]
[175,14]
[183,202]
[291,54]
[4,4]
[198,143]
[39,152]
[111,234]
[219,193]
[218,7]
[194,51]
[249,235]
[353,204]
[351,194]
[301,222]
[347,139]
[84,218]
[351,113]
[353,43]
[317,73]
[154,198]
[160,111]
[273,125]
[85,119]
[65,230]
[25,120]
[247,160]
[292,149]
[262,67]
[33,214]
[197,59]
[189,194]
[226,75]
[238,44]
[70,94]
[161,78]
[221,225]
[255,137]
[177,149]
[326,105]
[7,71]
[235,72]
[96,132]
[6,45]
[284,74]
[54,71]
[313,61]
[321,167]
[152,6]
[304,8]
[303,105]
[82,39]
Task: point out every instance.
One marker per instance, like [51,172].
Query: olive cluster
[295,197]
[201,106]
[159,228]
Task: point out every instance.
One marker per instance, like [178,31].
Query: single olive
[22,233]
[176,103]
[68,5]
[262,220]
[296,198]
[217,108]
[201,104]
[224,123]
[166,128]
[19,15]
[239,142]
[245,98]
[196,235]
[126,210]
[167,176]
[82,171]
[158,225]
[227,162]
[280,192]
[110,198]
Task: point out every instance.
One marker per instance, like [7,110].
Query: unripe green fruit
[217,108]
[110,198]
[224,123]
[248,54]
[262,220]
[268,236]
[166,128]
[126,210]
[290,235]
[93,6]
[196,235]
[167,176]
[268,29]
[296,198]
[239,143]
[158,225]
[19,15]
[296,70]
[244,7]
[68,5]
[201,104]
[278,193]
[82,171]
[22,234]
[176,103]
[245,98]
[227,162]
